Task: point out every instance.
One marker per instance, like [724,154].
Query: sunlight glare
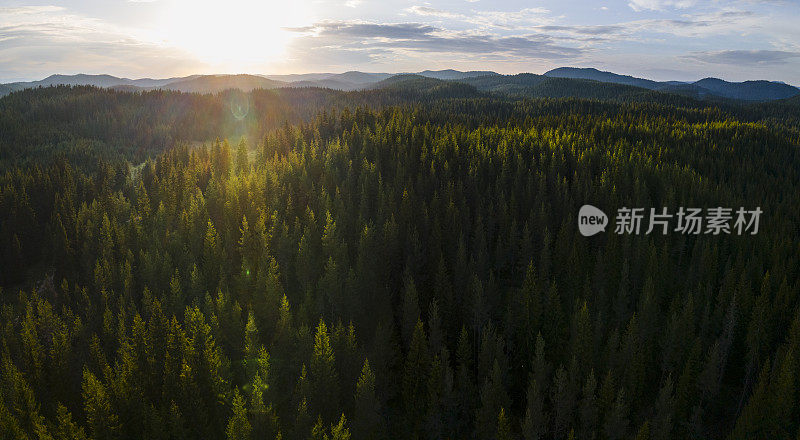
[233,35]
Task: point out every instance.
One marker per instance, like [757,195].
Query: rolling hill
[563,81]
[431,88]
[450,74]
[597,75]
[328,84]
[192,83]
[93,80]
[748,90]
[530,85]
[708,87]
[218,83]
[504,83]
[352,80]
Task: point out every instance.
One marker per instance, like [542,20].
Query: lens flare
[239,104]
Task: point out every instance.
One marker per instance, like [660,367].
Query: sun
[232,35]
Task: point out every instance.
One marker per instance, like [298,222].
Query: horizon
[268,75]
[678,40]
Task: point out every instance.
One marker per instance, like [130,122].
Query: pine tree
[563,403]
[435,327]
[66,429]
[242,164]
[504,431]
[615,425]
[367,421]
[302,423]
[534,424]
[323,376]
[493,399]
[411,311]
[238,425]
[662,423]
[465,384]
[587,409]
[415,377]
[644,431]
[251,341]
[212,257]
[102,420]
[340,431]
[250,248]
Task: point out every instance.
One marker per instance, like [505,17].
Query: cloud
[721,21]
[8,13]
[40,40]
[382,42]
[711,24]
[699,25]
[745,57]
[343,29]
[508,20]
[427,11]
[665,5]
[586,30]
[48,21]
[659,5]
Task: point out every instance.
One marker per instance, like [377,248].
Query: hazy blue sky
[659,39]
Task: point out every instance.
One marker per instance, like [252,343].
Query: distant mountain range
[564,81]
[451,74]
[93,80]
[746,91]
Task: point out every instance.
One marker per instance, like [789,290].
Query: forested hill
[560,82]
[392,263]
[49,122]
[745,91]
[45,122]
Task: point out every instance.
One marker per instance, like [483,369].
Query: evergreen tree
[66,429]
[504,431]
[323,376]
[415,375]
[367,421]
[239,427]
[102,420]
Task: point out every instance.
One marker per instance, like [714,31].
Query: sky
[681,40]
